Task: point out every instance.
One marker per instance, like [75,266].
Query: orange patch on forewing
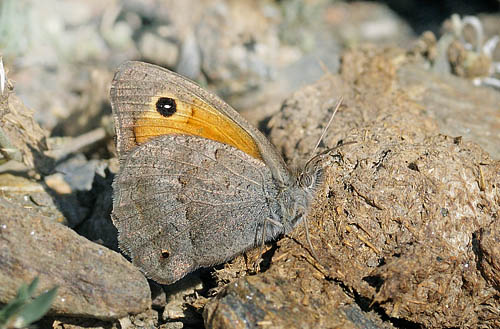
[197,118]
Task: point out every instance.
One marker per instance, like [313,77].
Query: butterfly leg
[309,243]
[262,241]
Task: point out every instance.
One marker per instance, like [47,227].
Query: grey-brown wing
[184,202]
[136,83]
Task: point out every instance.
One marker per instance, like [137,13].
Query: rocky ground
[405,226]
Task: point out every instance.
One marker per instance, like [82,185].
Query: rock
[156,49]
[76,323]
[57,183]
[396,219]
[489,253]
[36,198]
[21,138]
[457,106]
[93,280]
[176,309]
[360,22]
[277,301]
[148,319]
[189,63]
[79,172]
[88,111]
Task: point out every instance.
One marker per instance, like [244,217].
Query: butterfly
[198,184]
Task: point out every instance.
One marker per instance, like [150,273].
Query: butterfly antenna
[339,103]
[312,158]
[308,239]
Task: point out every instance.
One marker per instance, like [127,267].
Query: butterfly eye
[306,180]
[166,106]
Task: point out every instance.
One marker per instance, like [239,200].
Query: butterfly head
[295,199]
[302,193]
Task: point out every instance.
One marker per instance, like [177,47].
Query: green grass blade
[32,287]
[35,310]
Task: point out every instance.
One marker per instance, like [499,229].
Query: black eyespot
[165,253]
[166,106]
[413,166]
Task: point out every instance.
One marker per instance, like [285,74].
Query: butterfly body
[198,185]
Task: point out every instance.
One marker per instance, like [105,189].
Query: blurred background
[60,54]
